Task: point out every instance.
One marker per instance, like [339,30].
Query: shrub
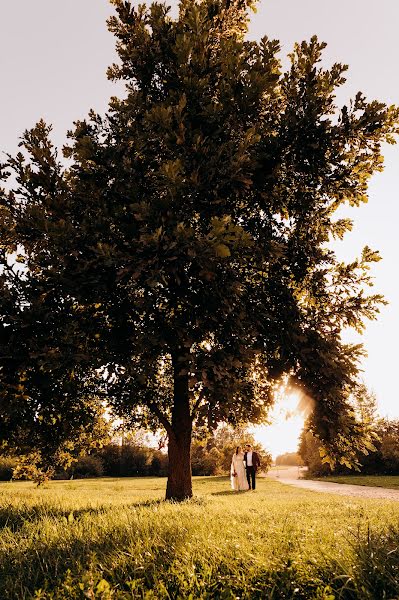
[111,459]
[88,466]
[135,460]
[7,466]
[159,464]
[132,460]
[204,462]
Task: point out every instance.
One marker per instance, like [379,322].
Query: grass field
[386,481]
[116,538]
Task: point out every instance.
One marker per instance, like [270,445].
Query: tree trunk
[179,486]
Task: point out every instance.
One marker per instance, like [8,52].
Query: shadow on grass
[195,500]
[211,479]
[230,493]
[24,569]
[16,517]
[157,555]
[147,503]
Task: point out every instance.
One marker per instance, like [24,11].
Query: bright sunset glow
[287,417]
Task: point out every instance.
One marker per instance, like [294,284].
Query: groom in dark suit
[252,464]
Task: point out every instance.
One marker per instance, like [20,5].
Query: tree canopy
[181,264]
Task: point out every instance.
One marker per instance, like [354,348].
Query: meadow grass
[385,481]
[117,538]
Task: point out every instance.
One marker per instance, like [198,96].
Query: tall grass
[117,539]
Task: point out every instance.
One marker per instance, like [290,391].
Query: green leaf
[222,250]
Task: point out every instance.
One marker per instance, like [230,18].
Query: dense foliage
[383,461]
[364,407]
[7,467]
[185,249]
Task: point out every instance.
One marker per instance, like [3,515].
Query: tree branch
[197,403]
[161,417]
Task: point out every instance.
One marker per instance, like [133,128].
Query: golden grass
[117,538]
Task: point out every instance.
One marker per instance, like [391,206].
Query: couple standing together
[243,468]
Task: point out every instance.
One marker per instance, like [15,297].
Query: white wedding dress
[238,475]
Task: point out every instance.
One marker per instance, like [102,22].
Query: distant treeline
[289,459]
[210,456]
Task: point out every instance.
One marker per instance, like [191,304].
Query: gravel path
[291,476]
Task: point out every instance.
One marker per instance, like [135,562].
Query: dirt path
[291,476]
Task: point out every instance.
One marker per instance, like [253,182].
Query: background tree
[290,459]
[386,459]
[185,249]
[364,406]
[309,451]
[212,454]
[383,460]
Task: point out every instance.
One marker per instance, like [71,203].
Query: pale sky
[53,58]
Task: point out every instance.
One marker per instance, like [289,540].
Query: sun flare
[287,421]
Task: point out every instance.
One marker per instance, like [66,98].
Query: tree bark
[179,486]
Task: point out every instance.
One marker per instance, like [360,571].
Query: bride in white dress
[238,476]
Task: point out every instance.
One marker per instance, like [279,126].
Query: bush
[204,462]
[88,466]
[135,460]
[111,459]
[132,460]
[159,464]
[7,466]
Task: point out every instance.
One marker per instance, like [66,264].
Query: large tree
[185,249]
